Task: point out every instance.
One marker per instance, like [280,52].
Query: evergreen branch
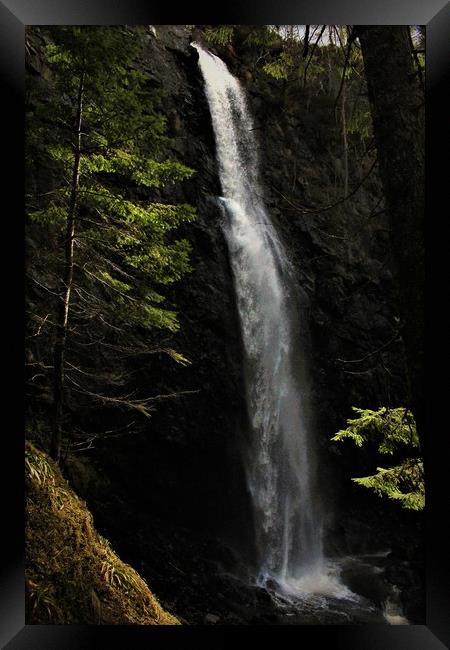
[106,284]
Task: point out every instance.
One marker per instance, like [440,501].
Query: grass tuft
[73,576]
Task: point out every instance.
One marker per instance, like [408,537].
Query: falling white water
[280,464]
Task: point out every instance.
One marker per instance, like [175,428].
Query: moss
[72,574]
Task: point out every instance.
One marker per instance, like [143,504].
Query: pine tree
[394,432]
[96,145]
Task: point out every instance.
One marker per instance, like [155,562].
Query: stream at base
[354,591]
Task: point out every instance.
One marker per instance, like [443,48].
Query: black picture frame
[14,15]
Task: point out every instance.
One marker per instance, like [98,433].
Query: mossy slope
[72,574]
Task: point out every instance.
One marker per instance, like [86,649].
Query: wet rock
[211,619]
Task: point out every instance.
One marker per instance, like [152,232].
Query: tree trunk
[66,288]
[306,42]
[397,105]
[344,138]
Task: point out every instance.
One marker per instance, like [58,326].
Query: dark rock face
[187,467]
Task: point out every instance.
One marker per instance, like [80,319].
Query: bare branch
[333,205]
[395,339]
[39,329]
[144,406]
[347,57]
[312,53]
[43,286]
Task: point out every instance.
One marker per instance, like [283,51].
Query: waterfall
[280,465]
